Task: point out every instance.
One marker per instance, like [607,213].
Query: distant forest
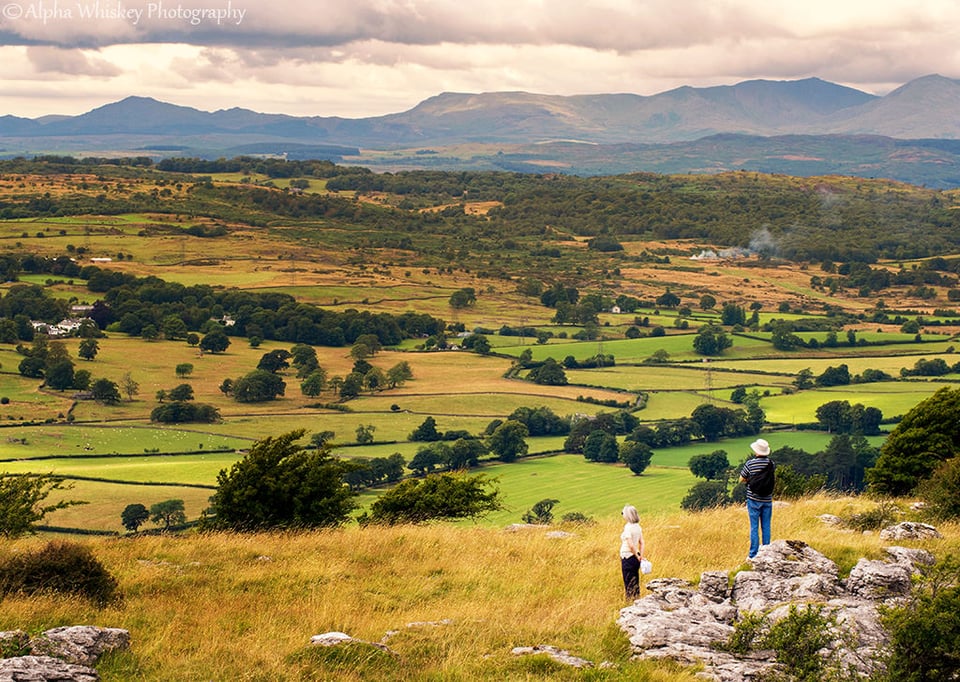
[801,219]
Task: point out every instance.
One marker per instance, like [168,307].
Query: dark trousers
[630,567]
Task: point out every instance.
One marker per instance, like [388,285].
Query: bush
[877,518]
[941,491]
[925,631]
[706,495]
[438,496]
[62,567]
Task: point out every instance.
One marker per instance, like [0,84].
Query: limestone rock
[44,669]
[879,579]
[910,530]
[684,624]
[81,644]
[559,655]
[715,585]
[331,639]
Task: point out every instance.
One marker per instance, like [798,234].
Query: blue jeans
[759,513]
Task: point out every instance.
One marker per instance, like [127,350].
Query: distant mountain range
[779,126]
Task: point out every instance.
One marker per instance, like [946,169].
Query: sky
[359,58]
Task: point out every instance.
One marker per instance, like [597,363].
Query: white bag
[645,566]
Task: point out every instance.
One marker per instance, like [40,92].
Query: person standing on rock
[631,551]
[758,473]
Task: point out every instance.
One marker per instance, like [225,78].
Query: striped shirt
[750,467]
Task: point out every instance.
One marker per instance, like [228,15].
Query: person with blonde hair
[631,551]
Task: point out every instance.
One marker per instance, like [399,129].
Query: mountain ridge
[921,108]
[808,126]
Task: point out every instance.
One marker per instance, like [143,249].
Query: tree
[426,432]
[438,496]
[550,373]
[601,446]
[707,302]
[711,340]
[279,484]
[926,436]
[733,314]
[258,386]
[129,386]
[173,327]
[304,359]
[636,456]
[466,453]
[706,495]
[541,513]
[60,375]
[105,392]
[181,392]
[428,458]
[215,342]
[133,516]
[184,369]
[463,298]
[365,433]
[478,343]
[169,513]
[399,373]
[834,376]
[508,442]
[321,438]
[668,299]
[711,467]
[88,348]
[274,361]
[22,500]
[314,383]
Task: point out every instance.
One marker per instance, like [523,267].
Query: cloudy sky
[357,58]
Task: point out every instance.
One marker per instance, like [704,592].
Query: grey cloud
[70,62]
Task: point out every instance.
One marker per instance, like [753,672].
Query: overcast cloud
[357,58]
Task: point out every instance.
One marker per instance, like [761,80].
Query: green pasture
[891,364]
[193,469]
[490,405]
[77,439]
[891,398]
[106,501]
[738,449]
[656,377]
[27,402]
[580,486]
[671,405]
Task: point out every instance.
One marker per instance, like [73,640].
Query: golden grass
[239,607]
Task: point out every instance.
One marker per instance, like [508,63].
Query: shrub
[799,639]
[941,491]
[925,631]
[62,567]
[877,518]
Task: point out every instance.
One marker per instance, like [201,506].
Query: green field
[379,262]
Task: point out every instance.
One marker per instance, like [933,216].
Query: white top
[630,540]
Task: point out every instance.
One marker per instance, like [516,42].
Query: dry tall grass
[243,607]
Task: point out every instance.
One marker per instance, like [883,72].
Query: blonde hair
[630,514]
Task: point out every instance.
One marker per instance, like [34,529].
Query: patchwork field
[159,226]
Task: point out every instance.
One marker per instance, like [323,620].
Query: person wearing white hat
[758,473]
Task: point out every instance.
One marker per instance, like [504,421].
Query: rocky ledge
[685,623]
[65,654]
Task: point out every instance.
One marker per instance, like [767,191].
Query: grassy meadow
[450,601]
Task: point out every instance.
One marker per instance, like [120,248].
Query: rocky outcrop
[65,654]
[910,530]
[685,623]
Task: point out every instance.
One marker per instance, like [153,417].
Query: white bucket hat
[760,447]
